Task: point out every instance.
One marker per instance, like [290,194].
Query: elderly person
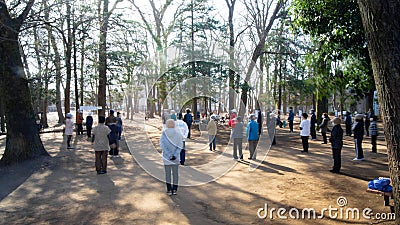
[237,137]
[305,131]
[358,131]
[336,141]
[324,127]
[69,129]
[252,136]
[171,145]
[184,130]
[212,132]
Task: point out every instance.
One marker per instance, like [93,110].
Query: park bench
[386,197]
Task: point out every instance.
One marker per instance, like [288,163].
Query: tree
[23,140]
[336,31]
[382,30]
[102,88]
[262,20]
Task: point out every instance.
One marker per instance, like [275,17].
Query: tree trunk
[103,60]
[23,140]
[382,29]
[322,107]
[231,8]
[2,118]
[57,64]
[68,55]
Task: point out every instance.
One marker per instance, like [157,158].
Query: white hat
[233,110]
[90,113]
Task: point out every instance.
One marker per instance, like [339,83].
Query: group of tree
[297,52]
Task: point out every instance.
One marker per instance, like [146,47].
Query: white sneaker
[356,159]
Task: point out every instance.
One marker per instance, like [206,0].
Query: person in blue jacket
[252,136]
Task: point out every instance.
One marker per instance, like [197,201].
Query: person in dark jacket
[358,130]
[313,121]
[188,119]
[348,121]
[373,130]
[336,141]
[89,124]
[324,127]
[368,116]
[291,119]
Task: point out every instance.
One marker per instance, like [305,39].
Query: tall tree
[231,8]
[23,140]
[382,30]
[262,15]
[102,88]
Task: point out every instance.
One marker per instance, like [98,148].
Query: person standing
[368,117]
[111,118]
[252,136]
[101,145]
[232,120]
[119,126]
[212,133]
[183,129]
[111,122]
[348,121]
[373,130]
[324,127]
[79,122]
[305,131]
[188,119]
[89,124]
[312,125]
[259,121]
[358,130]
[336,141]
[173,115]
[69,130]
[171,145]
[237,137]
[291,119]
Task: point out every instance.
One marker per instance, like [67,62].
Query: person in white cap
[69,129]
[212,133]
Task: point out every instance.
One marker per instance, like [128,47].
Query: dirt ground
[65,189]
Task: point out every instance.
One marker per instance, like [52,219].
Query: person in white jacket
[171,145]
[69,130]
[183,129]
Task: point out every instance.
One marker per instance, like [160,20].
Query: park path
[64,188]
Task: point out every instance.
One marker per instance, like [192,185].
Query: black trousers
[304,141]
[80,128]
[337,159]
[324,137]
[89,131]
[373,142]
[348,129]
[359,149]
[313,132]
[291,125]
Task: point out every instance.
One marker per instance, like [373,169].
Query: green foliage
[340,60]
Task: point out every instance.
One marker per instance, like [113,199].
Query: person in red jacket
[232,119]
